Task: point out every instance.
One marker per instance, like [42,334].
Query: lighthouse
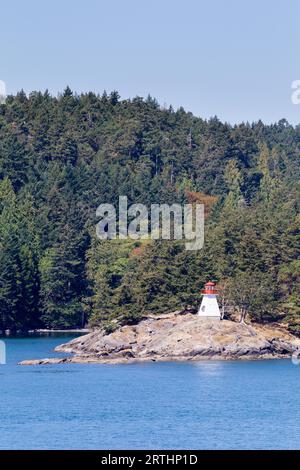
[209,307]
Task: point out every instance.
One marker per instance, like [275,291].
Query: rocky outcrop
[178,337]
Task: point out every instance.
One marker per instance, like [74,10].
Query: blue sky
[234,59]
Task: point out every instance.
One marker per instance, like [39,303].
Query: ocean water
[205,405]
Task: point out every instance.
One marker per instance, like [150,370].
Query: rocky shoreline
[178,337]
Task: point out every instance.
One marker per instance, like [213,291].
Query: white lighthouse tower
[209,307]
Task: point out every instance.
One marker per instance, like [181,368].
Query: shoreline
[132,361]
[177,337]
[71,330]
[43,331]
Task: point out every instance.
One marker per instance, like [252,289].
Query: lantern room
[210,288]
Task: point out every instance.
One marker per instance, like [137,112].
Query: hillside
[60,157]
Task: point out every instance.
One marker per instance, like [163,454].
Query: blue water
[206,405]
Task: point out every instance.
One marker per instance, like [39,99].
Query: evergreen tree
[60,157]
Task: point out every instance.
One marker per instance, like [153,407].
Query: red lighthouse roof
[210,288]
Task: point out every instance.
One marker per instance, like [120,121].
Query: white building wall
[209,307]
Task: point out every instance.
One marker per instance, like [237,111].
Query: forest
[60,157]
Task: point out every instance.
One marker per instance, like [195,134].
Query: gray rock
[179,337]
